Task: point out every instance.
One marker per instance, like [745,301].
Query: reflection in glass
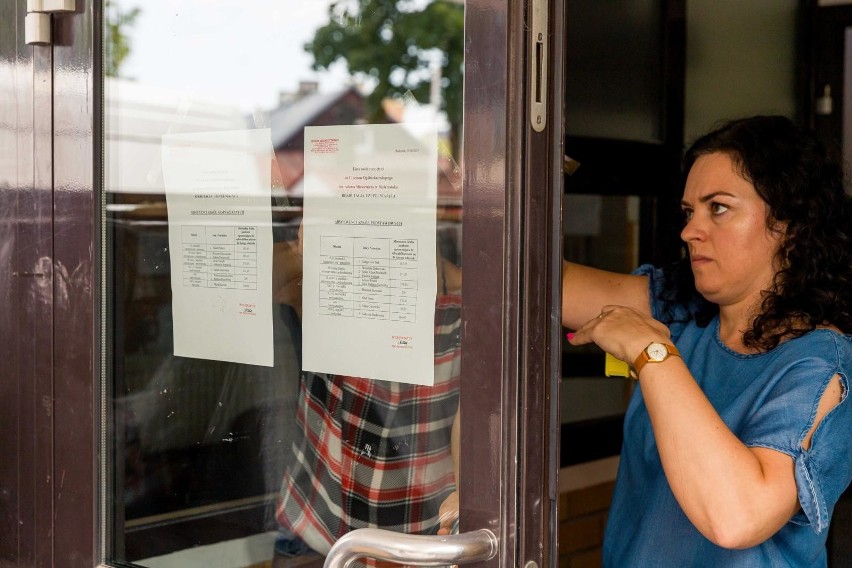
[614,69]
[211,461]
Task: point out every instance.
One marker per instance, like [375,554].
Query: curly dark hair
[803,188]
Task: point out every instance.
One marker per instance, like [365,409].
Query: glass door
[309,258]
[283,209]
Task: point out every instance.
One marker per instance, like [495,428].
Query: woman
[738,439]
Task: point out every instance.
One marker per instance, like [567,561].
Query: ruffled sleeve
[787,414]
[663,308]
[824,471]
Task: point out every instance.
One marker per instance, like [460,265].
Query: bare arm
[586,290]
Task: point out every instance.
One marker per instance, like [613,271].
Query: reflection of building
[308,107]
[139,115]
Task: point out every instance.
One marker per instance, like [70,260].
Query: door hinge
[37,20]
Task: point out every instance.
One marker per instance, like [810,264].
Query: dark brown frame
[29,478]
[76,228]
[513,211]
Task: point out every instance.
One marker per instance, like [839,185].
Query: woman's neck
[734,321]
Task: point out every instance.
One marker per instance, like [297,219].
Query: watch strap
[643,358]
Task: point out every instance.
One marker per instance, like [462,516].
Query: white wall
[740,61]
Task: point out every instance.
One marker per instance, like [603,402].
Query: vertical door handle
[37,20]
[413,550]
[538,65]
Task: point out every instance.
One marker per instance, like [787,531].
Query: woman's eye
[687,215]
[718,208]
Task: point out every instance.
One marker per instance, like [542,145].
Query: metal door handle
[413,550]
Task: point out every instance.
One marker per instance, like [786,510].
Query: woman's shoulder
[824,335]
[828,344]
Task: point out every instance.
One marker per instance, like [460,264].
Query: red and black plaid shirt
[374,453]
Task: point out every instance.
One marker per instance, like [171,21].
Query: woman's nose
[691,230]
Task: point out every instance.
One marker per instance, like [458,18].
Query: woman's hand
[621,331]
[448,513]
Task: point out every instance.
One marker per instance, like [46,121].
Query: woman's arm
[735,495]
[586,290]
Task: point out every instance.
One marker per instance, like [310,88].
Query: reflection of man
[372,453]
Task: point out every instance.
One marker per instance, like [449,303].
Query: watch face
[657,352]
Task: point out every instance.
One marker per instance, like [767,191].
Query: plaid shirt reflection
[374,453]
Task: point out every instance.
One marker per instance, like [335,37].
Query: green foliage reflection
[393,43]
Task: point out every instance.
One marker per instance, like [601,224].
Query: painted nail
[570,336]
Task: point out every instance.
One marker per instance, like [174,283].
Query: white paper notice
[368,305]
[220,240]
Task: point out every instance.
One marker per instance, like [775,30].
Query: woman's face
[732,251]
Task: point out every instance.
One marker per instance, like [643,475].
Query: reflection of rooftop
[139,115]
[307,108]
[289,120]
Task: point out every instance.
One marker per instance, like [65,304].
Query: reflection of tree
[394,42]
[117,22]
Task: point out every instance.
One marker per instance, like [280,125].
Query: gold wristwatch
[655,352]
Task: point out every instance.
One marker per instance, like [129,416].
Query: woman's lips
[698,259]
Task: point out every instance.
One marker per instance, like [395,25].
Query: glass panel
[593,406]
[220,448]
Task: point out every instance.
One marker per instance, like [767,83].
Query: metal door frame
[514,212]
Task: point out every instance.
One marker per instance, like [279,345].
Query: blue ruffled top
[768,400]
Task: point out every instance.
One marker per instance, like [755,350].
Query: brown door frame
[29,478]
[539,368]
[511,355]
[77,340]
[48,340]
